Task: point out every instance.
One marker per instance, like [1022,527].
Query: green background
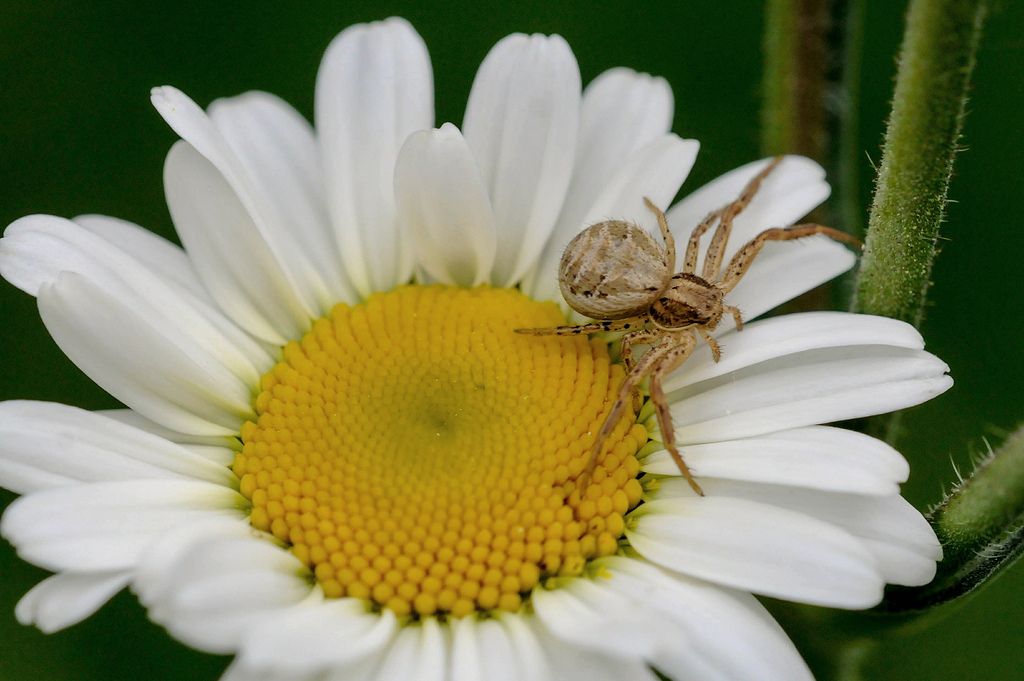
[77,135]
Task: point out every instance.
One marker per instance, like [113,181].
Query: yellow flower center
[417,453]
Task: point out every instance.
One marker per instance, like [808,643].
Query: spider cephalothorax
[688,301]
[617,273]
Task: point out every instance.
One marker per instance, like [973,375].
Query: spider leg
[635,338]
[633,379]
[741,262]
[671,360]
[716,250]
[666,234]
[690,262]
[642,337]
[736,315]
[716,349]
[593,327]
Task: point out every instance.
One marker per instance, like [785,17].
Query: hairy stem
[981,527]
[935,64]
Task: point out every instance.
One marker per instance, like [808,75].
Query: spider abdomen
[613,270]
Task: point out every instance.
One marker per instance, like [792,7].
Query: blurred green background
[77,135]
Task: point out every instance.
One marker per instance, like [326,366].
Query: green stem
[794,119]
[981,527]
[793,114]
[848,155]
[935,65]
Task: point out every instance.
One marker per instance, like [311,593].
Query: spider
[615,272]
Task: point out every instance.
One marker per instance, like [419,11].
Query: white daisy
[332,474]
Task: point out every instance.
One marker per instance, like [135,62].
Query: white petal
[137,420]
[54,444]
[419,651]
[819,457]
[655,171]
[374,89]
[240,269]
[158,255]
[318,635]
[59,601]
[219,450]
[503,649]
[246,195]
[521,122]
[757,547]
[23,478]
[141,360]
[580,612]
[172,265]
[583,612]
[154,573]
[276,146]
[443,207]
[238,672]
[791,191]
[570,662]
[790,334]
[218,590]
[37,249]
[807,388]
[524,638]
[106,526]
[621,111]
[222,456]
[900,565]
[467,664]
[730,635]
[888,526]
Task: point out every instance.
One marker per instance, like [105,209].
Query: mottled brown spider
[615,272]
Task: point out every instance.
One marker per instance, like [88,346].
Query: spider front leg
[671,361]
[690,261]
[716,249]
[628,324]
[633,379]
[744,258]
[642,337]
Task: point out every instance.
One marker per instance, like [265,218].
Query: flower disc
[417,453]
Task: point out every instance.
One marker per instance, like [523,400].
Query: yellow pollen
[416,453]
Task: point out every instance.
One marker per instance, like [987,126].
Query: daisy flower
[337,460]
